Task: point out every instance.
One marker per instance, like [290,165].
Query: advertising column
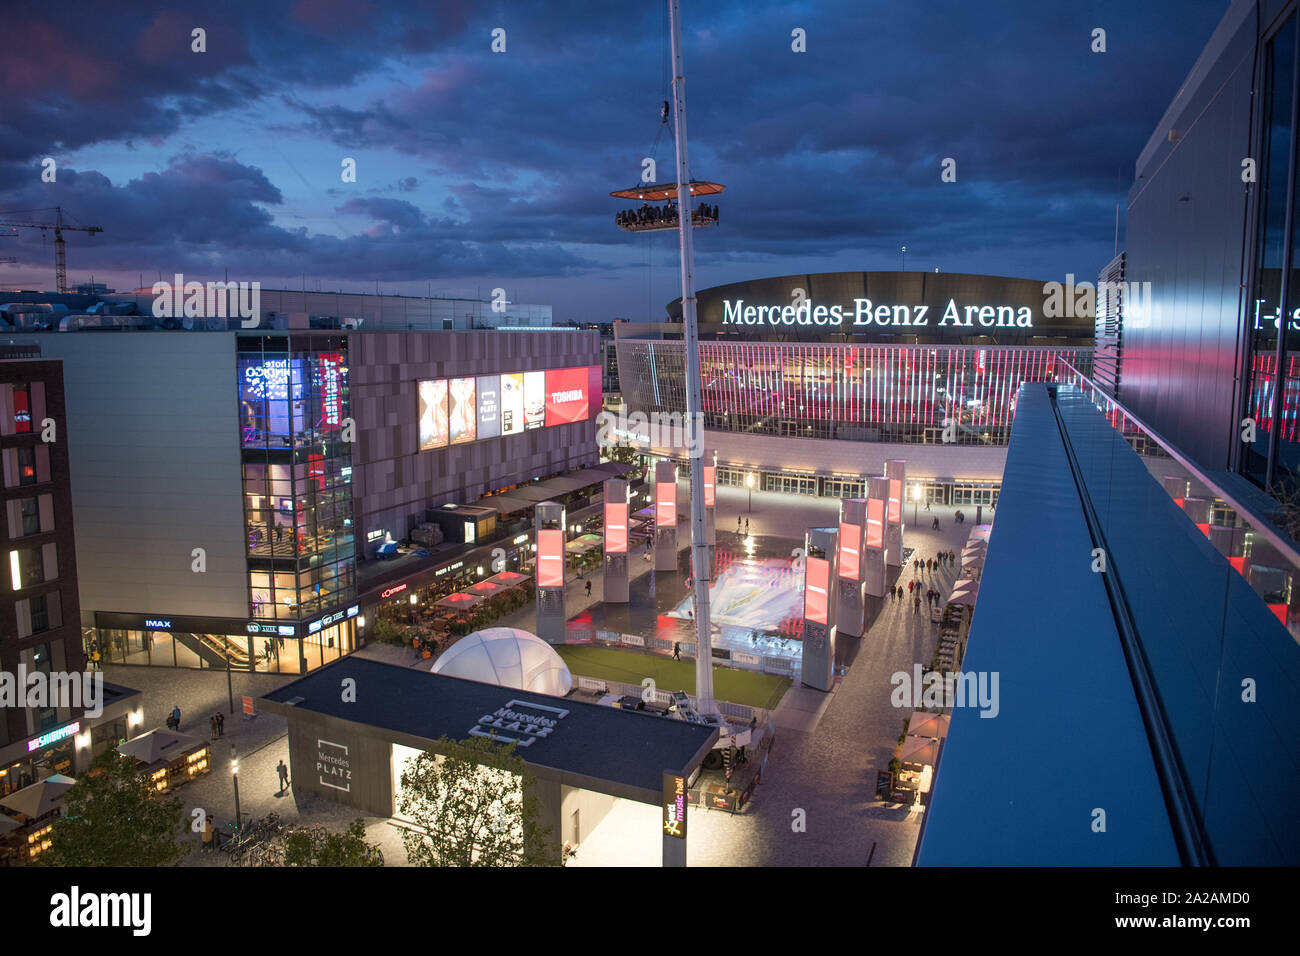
[849,604]
[665,516]
[873,546]
[710,495]
[818,603]
[616,514]
[896,472]
[550,571]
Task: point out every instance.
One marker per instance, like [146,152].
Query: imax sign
[864,313]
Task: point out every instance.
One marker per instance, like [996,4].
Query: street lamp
[904,258]
[411,610]
[234,774]
[749,483]
[916,502]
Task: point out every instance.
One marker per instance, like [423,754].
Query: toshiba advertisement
[566,396]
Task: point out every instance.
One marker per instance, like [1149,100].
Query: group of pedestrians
[217,725]
[916,588]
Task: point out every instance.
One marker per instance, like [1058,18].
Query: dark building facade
[1211,244]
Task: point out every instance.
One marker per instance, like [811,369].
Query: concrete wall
[591,808]
[394,482]
[368,759]
[153,438]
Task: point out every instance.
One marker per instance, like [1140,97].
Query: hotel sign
[864,313]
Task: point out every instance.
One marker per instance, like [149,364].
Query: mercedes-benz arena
[811,382]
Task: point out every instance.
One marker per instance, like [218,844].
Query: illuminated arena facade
[796,368]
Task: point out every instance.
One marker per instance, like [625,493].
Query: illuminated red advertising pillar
[850,606]
[873,544]
[616,528]
[550,535]
[821,557]
[710,495]
[896,472]
[665,516]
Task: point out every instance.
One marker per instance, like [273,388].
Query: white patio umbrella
[40,798]
[963,598]
[925,724]
[922,750]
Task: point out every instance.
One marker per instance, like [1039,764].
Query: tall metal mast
[701,559]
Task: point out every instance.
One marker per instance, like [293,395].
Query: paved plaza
[828,746]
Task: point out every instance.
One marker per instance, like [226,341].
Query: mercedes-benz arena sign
[933,307]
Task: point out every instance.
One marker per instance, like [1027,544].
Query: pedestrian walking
[677,650]
[746,526]
[927,504]
[910,586]
[916,603]
[935,526]
[929,565]
[221,724]
[951,557]
[588,589]
[208,833]
[212,727]
[738,524]
[176,718]
[283,773]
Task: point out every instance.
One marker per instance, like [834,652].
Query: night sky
[478,169]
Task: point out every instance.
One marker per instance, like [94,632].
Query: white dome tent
[507,657]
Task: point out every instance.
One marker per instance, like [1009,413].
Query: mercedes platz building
[811,382]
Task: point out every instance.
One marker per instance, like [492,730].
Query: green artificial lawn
[736,686]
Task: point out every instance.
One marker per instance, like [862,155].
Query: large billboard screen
[433,414]
[710,481]
[875,523]
[850,556]
[666,504]
[616,527]
[566,396]
[463,419]
[550,558]
[512,404]
[895,500]
[816,594]
[534,399]
[489,406]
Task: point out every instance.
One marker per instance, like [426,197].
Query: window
[26,464]
[29,510]
[26,567]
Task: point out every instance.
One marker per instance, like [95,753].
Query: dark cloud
[831,155]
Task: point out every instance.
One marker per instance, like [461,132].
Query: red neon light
[710,479]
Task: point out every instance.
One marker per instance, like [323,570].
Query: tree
[317,846]
[473,806]
[113,818]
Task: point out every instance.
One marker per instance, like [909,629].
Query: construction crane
[58,225]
